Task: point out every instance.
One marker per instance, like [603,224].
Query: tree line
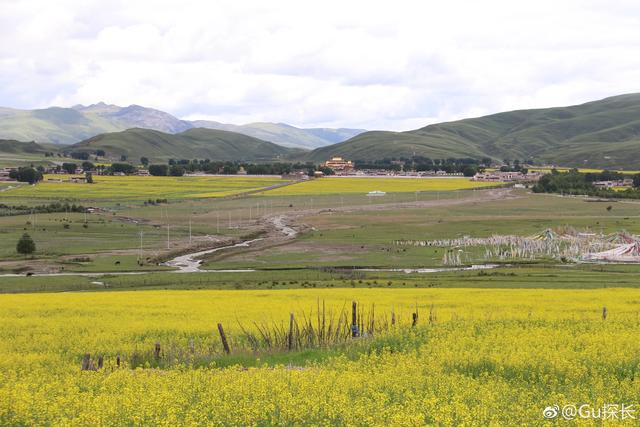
[577,183]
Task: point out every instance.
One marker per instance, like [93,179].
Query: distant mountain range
[71,125]
[598,134]
[601,134]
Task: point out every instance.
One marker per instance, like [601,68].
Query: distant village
[336,166]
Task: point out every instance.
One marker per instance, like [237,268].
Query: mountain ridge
[603,134]
[61,125]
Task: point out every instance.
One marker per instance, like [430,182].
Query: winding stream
[191,262]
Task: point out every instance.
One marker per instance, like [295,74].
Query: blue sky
[375,64]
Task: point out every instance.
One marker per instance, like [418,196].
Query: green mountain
[195,143]
[602,134]
[52,125]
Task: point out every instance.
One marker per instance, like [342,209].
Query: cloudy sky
[367,64]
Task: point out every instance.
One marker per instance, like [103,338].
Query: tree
[636,180]
[88,166]
[29,175]
[125,168]
[80,155]
[26,245]
[469,171]
[69,168]
[176,170]
[100,153]
[123,158]
[158,170]
[144,161]
[88,177]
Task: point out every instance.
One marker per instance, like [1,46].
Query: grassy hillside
[18,148]
[603,133]
[191,144]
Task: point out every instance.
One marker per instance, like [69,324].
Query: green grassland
[513,277]
[342,230]
[58,234]
[365,238]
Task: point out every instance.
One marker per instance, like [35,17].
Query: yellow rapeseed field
[582,170]
[488,357]
[143,187]
[340,185]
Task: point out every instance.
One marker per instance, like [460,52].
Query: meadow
[342,185]
[129,188]
[476,357]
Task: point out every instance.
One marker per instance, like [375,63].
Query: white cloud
[369,64]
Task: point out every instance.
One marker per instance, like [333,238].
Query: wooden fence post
[86,359]
[100,362]
[223,337]
[414,322]
[290,341]
[604,313]
[118,361]
[354,320]
[156,351]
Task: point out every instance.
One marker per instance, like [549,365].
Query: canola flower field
[340,185]
[143,187]
[476,357]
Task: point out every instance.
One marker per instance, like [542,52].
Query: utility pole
[189,230]
[140,253]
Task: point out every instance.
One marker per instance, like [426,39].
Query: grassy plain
[365,237]
[342,185]
[482,349]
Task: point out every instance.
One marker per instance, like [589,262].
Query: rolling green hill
[603,133]
[10,147]
[195,143]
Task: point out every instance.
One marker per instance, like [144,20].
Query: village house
[498,176]
[296,175]
[5,174]
[614,183]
